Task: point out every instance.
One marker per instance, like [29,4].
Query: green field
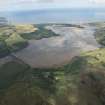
[100,36]
[10,71]
[10,41]
[3,49]
[15,42]
[39,34]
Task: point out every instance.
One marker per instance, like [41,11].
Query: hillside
[16,37]
[80,82]
[77,83]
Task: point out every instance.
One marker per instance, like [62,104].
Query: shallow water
[52,51]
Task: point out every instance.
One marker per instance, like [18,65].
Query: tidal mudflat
[48,52]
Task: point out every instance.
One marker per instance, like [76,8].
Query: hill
[15,37]
[80,82]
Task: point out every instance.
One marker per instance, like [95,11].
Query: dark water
[56,16]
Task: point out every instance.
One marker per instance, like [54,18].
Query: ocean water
[55,16]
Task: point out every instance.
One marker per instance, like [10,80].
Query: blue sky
[10,5]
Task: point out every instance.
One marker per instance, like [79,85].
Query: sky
[12,5]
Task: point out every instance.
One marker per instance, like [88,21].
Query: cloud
[34,1]
[40,4]
[98,1]
[45,1]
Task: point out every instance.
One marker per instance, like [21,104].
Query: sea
[38,16]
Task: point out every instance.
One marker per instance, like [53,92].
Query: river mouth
[55,51]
